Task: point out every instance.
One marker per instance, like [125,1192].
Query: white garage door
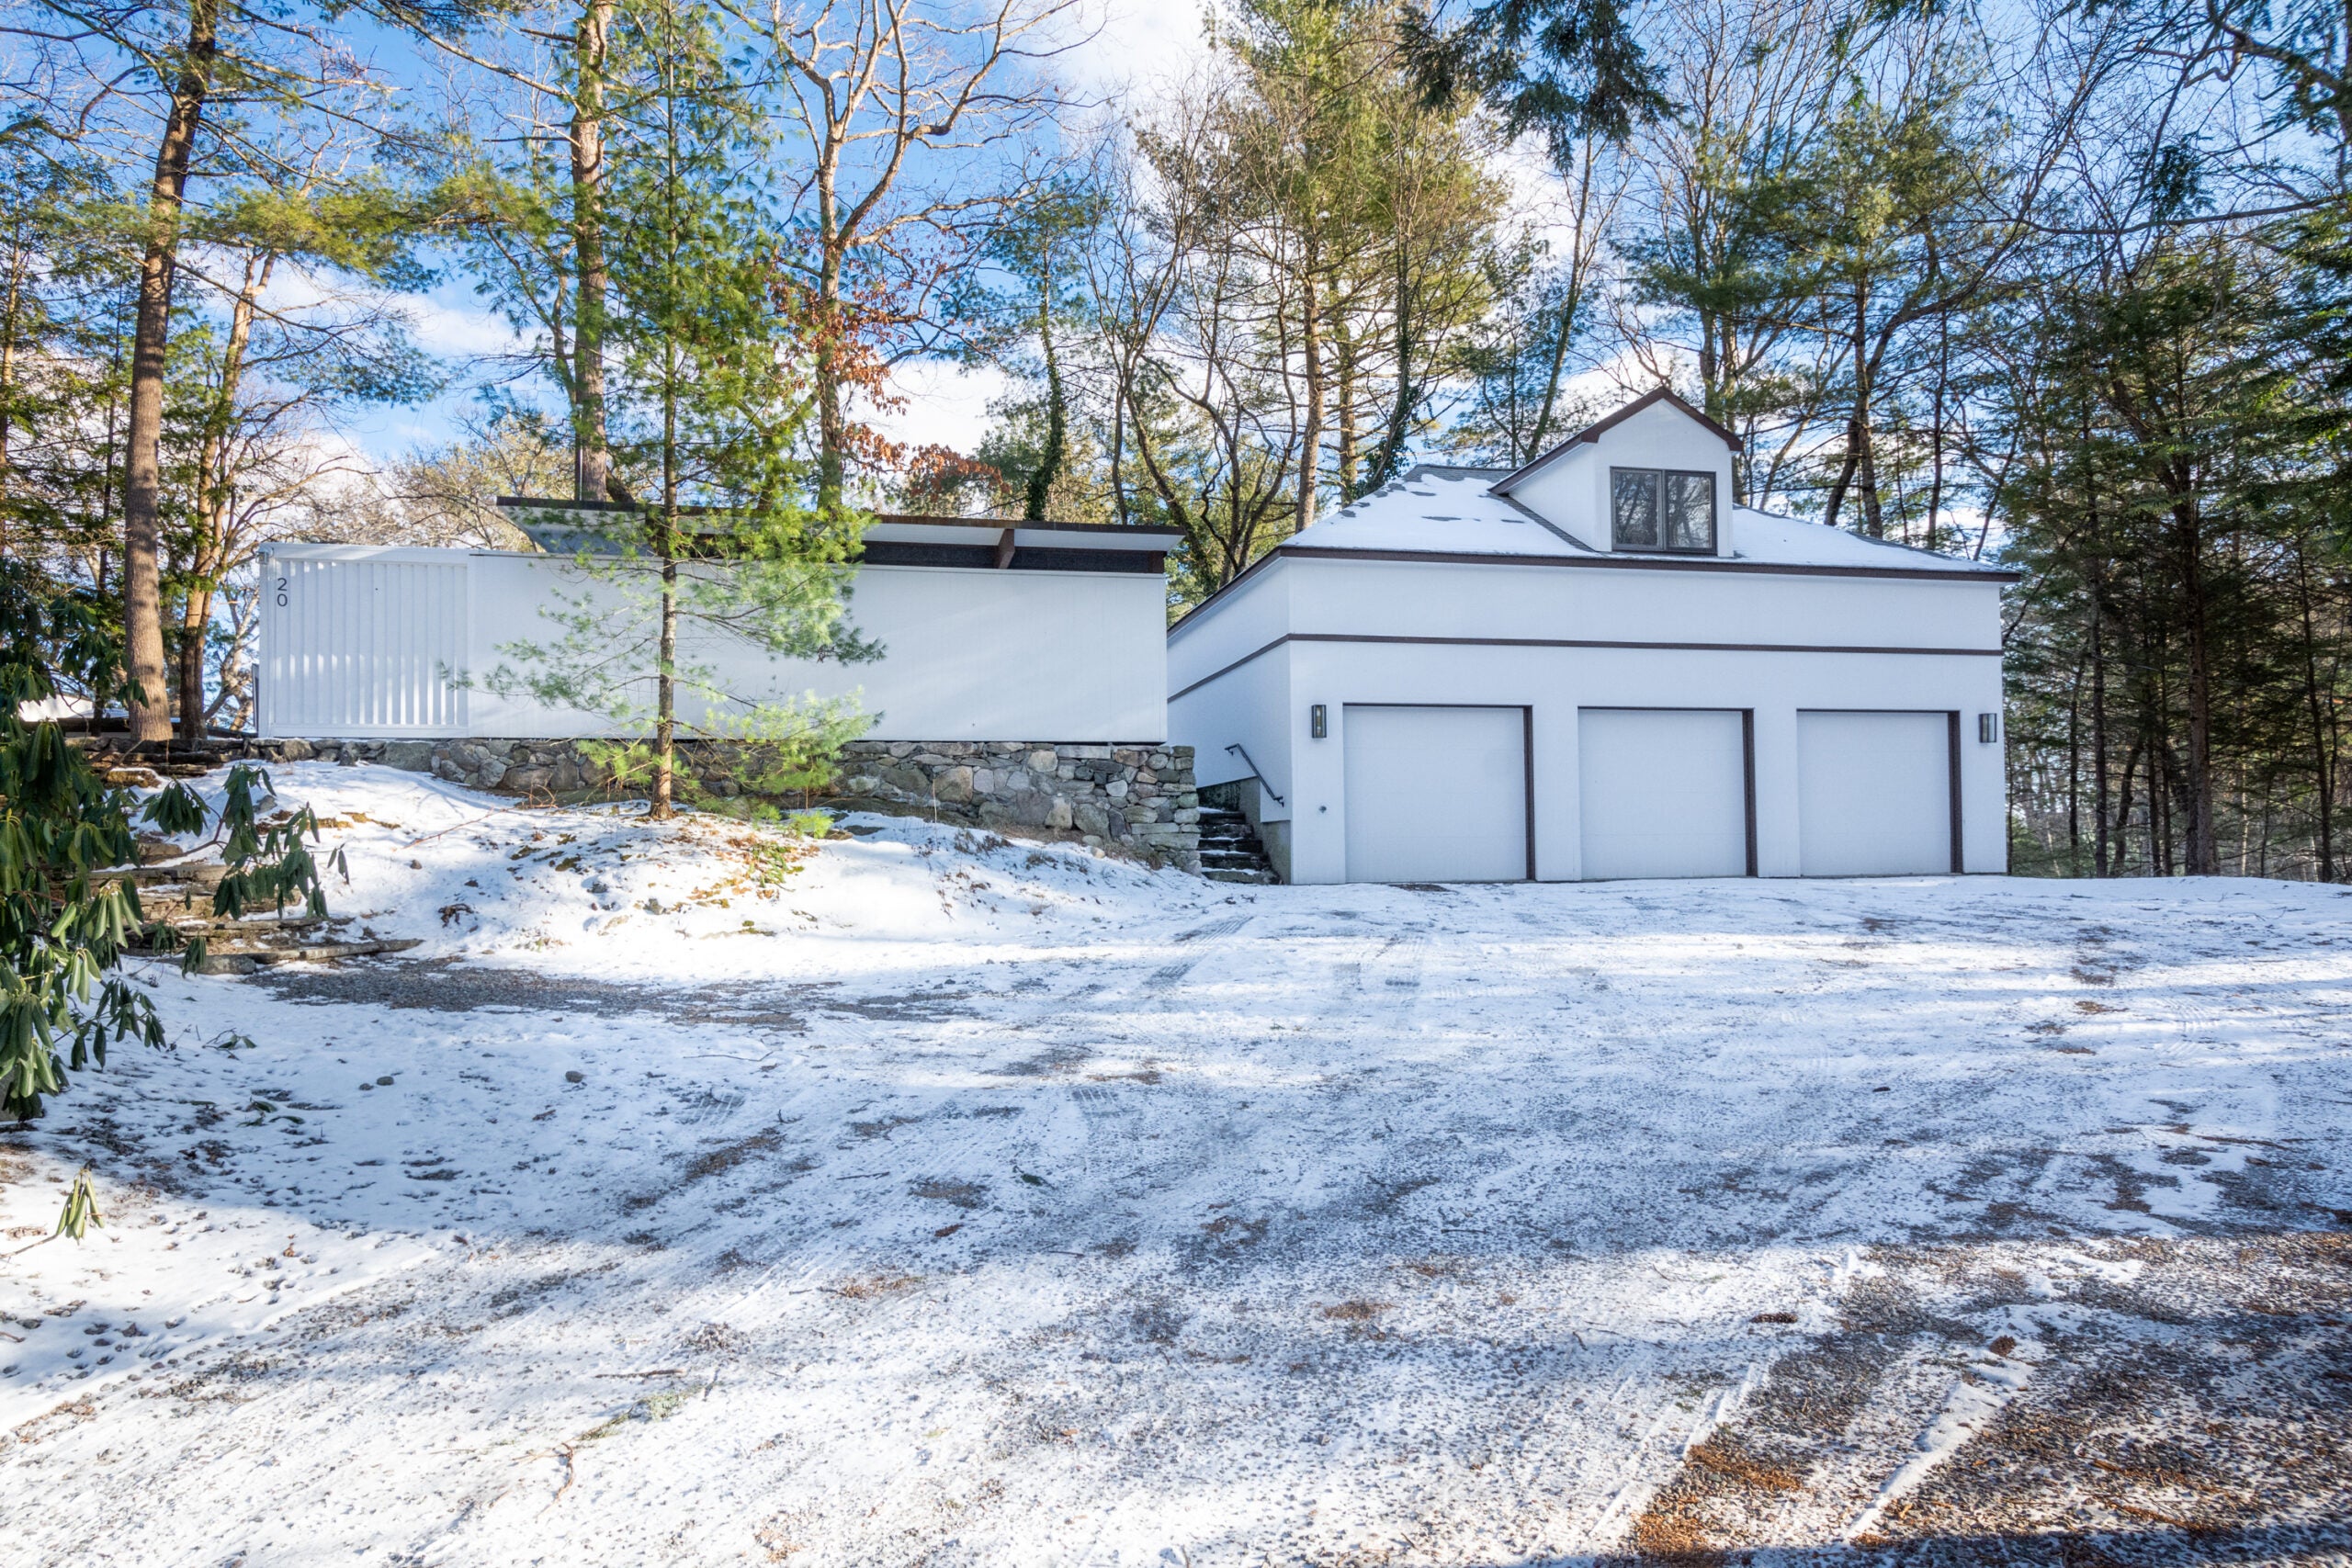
[1663,792]
[1436,794]
[1873,794]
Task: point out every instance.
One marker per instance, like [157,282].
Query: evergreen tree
[69,911]
[706,404]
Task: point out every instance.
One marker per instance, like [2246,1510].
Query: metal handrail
[1256,774]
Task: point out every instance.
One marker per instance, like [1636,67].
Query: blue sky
[1131,43]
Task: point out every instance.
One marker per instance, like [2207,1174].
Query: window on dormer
[1662,509]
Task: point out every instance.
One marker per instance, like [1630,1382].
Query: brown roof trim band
[1575,642]
[920,519]
[935,519]
[1025,557]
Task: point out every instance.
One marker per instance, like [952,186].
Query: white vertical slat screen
[362,647]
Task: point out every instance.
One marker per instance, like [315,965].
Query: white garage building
[1597,666]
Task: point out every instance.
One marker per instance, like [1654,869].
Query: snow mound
[601,889]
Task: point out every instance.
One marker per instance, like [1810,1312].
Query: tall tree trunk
[832,425]
[1049,462]
[1389,456]
[2123,807]
[1936,426]
[1119,511]
[2075,772]
[2101,860]
[18,259]
[1310,456]
[591,446]
[2323,756]
[1349,461]
[1561,336]
[1711,396]
[216,497]
[1865,450]
[665,682]
[2202,850]
[143,499]
[1860,463]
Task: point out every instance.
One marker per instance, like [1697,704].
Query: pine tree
[707,407]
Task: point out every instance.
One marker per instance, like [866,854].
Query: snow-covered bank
[949,1200]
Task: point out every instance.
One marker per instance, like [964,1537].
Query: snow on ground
[944,1199]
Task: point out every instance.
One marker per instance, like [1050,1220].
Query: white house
[1597,667]
[1030,632]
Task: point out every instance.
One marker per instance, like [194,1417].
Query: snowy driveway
[983,1204]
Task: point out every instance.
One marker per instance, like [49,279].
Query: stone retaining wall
[1136,800]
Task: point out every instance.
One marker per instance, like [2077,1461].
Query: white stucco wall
[360,647]
[1761,633]
[1249,702]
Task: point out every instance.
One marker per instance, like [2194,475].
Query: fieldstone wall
[1136,800]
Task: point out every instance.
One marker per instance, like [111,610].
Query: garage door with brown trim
[1663,792]
[1436,794]
[1874,794]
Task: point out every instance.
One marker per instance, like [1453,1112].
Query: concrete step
[1261,877]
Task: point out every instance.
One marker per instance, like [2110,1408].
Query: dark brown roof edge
[925,519]
[1630,562]
[933,520]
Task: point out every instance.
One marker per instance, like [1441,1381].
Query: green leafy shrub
[69,908]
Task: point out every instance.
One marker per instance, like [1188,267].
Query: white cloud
[459,331]
[1134,39]
[946,405]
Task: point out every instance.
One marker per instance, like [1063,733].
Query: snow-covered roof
[1442,510]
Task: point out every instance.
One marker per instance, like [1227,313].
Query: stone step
[1230,851]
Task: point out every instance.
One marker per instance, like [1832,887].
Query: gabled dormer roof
[1594,432]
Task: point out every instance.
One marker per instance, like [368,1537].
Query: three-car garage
[1600,666]
[1436,793]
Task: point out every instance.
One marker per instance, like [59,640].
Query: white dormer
[1652,479]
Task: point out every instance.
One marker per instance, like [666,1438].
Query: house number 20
[281,593]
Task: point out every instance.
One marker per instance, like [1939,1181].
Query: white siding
[1572,491]
[969,654]
[363,647]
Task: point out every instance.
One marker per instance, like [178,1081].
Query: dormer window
[1662,509]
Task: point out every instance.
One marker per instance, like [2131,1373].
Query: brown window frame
[1715,513]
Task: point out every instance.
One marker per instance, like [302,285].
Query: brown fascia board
[1629,561]
[548,504]
[1594,432]
[932,520]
